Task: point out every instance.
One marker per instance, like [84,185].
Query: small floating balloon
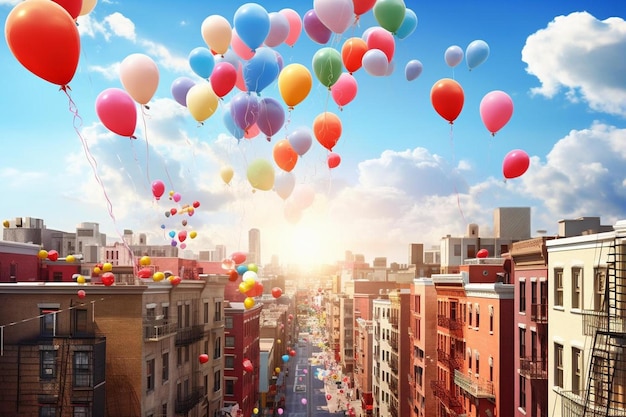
[145,261]
[158,276]
[515,164]
[81,294]
[70,259]
[108,279]
[204,358]
[483,253]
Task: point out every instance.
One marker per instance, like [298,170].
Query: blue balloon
[413,69]
[252,23]
[172,233]
[409,23]
[285,358]
[201,61]
[242,269]
[230,124]
[261,70]
[476,53]
[162,226]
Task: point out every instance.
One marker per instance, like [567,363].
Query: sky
[406,175]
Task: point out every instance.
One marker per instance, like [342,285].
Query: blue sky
[405,176]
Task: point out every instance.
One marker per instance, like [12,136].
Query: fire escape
[605,393]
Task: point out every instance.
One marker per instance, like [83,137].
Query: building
[140,343]
[401,345]
[385,382]
[254,247]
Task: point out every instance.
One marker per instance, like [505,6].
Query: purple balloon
[180,86]
[244,109]
[300,140]
[314,27]
[413,69]
[271,116]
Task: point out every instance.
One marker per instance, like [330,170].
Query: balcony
[393,342]
[576,405]
[534,368]
[448,399]
[187,402]
[187,335]
[539,313]
[452,324]
[158,329]
[477,388]
[451,361]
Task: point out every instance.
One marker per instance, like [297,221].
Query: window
[150,313]
[522,342]
[229,341]
[469,313]
[558,287]
[477,362]
[577,278]
[48,321]
[522,296]
[150,375]
[471,251]
[47,411]
[228,322]
[217,348]
[48,364]
[180,316]
[457,250]
[217,381]
[229,362]
[179,356]
[599,288]
[477,316]
[82,369]
[206,312]
[558,365]
[490,320]
[522,392]
[218,311]
[577,370]
[229,386]
[164,409]
[80,321]
[81,411]
[186,349]
[165,370]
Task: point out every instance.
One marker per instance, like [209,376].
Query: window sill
[558,308]
[521,410]
[576,311]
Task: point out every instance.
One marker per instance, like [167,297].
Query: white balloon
[375,62]
[284,182]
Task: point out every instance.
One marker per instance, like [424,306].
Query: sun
[310,245]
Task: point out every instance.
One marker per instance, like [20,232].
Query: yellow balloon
[277,370]
[279,341]
[243,288]
[70,259]
[107,267]
[193,234]
[255,410]
[217,33]
[249,302]
[145,261]
[80,279]
[158,276]
[43,254]
[97,270]
[261,174]
[294,83]
[6,223]
[227,174]
[202,101]
[87,6]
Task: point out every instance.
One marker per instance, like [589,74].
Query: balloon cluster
[250,286]
[158,189]
[146,272]
[103,270]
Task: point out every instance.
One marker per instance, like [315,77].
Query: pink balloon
[379,38]
[295,25]
[336,15]
[279,29]
[344,90]
[333,160]
[496,109]
[515,164]
[223,78]
[375,62]
[252,132]
[240,83]
[158,188]
[117,111]
[139,75]
[240,48]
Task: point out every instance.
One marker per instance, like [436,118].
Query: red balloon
[182,235]
[333,160]
[73,7]
[53,255]
[447,98]
[362,6]
[247,365]
[81,294]
[223,78]
[276,292]
[292,353]
[204,358]
[327,129]
[108,278]
[117,111]
[483,253]
[145,273]
[284,155]
[233,275]
[44,38]
[158,188]
[238,257]
[175,280]
[515,164]
[196,204]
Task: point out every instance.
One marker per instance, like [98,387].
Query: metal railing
[475,387]
[539,313]
[158,329]
[534,368]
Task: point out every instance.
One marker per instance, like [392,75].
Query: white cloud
[584,56]
[121,26]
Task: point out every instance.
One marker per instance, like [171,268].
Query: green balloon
[389,14]
[261,174]
[327,66]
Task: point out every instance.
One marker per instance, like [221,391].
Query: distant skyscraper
[254,246]
[416,254]
[220,253]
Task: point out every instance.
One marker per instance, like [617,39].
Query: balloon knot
[145,106]
[133,137]
[64,88]
[493,134]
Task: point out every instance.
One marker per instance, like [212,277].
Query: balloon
[174,279]
[327,65]
[253,267]
[375,62]
[409,23]
[242,269]
[280,411]
[284,183]
[315,29]
[252,23]
[279,29]
[117,111]
[261,70]
[447,98]
[227,174]
[301,140]
[230,124]
[70,259]
[53,255]
[223,78]
[327,129]
[252,132]
[255,410]
[352,53]
[108,279]
[217,33]
[261,174]
[292,353]
[180,88]
[244,109]
[413,69]
[285,358]
[107,266]
[362,6]
[271,116]
[390,14]
[240,48]
[294,82]
[284,155]
[303,401]
[476,53]
[239,258]
[329,396]
[204,358]
[182,235]
[295,25]
[145,261]
[336,15]
[249,302]
[333,159]
[233,275]
[496,109]
[247,365]
[515,164]
[344,90]
[139,75]
[202,101]
[277,292]
[381,39]
[201,62]
[87,7]
[483,253]
[453,55]
[42,254]
[158,188]
[193,234]
[44,38]
[71,6]
[303,196]
[81,294]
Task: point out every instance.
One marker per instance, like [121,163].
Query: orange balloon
[294,83]
[447,98]
[352,53]
[327,129]
[284,155]
[43,37]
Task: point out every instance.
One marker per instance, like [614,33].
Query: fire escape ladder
[64,363]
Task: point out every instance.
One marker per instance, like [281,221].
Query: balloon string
[458,197]
[77,122]
[145,134]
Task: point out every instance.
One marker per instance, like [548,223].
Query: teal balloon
[252,23]
[327,66]
[390,14]
[409,23]
[476,53]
